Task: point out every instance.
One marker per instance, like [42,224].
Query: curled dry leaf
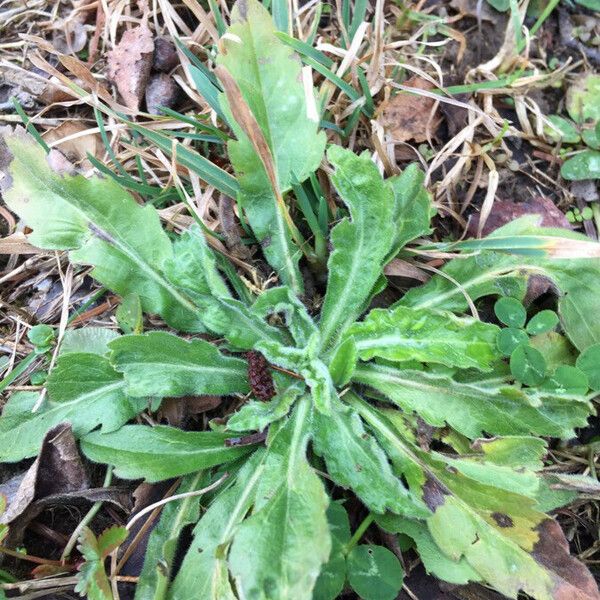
[505,211]
[572,579]
[408,116]
[77,144]
[177,411]
[57,476]
[129,64]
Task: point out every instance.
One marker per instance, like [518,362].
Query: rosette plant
[412,409]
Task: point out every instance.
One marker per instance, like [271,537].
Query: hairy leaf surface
[84,390]
[268,75]
[162,364]
[278,551]
[472,408]
[204,571]
[495,273]
[355,460]
[501,534]
[163,541]
[160,452]
[405,334]
[360,243]
[99,223]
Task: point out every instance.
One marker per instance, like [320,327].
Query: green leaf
[412,207]
[129,314]
[204,571]
[489,273]
[556,348]
[374,572]
[270,81]
[567,380]
[162,364]
[510,312]
[589,362]
[434,560]
[343,362]
[92,579]
[331,579]
[355,460]
[509,338]
[405,334]
[279,550]
[356,262]
[193,267]
[585,165]
[500,5]
[567,130]
[101,225]
[160,452]
[84,390]
[591,137]
[282,301]
[92,340]
[472,408]
[163,541]
[528,365]
[544,321]
[500,534]
[591,4]
[41,336]
[257,416]
[583,101]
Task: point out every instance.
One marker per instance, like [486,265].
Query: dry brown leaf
[408,116]
[572,580]
[505,211]
[129,64]
[76,149]
[56,476]
[176,411]
[17,244]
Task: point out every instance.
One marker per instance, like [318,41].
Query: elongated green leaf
[360,244]
[282,301]
[412,206]
[193,267]
[92,340]
[405,334]
[84,390]
[500,534]
[161,364]
[472,408]
[434,560]
[101,225]
[330,582]
[257,416]
[496,273]
[192,160]
[204,573]
[277,552]
[161,452]
[355,460]
[162,544]
[269,77]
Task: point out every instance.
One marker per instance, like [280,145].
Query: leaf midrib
[115,235]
